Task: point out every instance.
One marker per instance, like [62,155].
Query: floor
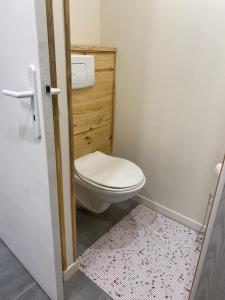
[90,227]
[144,256]
[17,284]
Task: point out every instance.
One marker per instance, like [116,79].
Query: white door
[28,188]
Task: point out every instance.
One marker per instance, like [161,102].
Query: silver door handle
[33,95]
[25,94]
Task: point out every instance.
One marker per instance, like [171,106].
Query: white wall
[84,21]
[170,95]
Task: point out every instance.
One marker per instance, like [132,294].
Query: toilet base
[93,206]
[99,200]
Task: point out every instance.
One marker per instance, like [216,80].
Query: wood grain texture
[211,284]
[104,61]
[91,48]
[96,119]
[99,139]
[69,97]
[103,90]
[52,58]
[93,107]
[113,98]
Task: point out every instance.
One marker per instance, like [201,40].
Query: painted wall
[85,21]
[170,95]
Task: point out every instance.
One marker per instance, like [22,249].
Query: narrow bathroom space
[112,160]
[145,178]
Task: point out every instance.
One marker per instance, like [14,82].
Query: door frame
[70,120]
[209,229]
[57,137]
[52,59]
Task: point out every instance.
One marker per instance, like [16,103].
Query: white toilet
[102,179]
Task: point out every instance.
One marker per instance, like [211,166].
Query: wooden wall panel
[97,119]
[92,107]
[98,139]
[104,61]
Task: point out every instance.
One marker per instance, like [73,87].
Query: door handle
[25,94]
[29,94]
[33,95]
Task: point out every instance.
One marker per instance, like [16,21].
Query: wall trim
[71,270]
[66,7]
[170,213]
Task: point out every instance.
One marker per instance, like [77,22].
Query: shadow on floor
[90,226]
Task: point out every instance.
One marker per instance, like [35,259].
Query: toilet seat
[109,173]
[115,190]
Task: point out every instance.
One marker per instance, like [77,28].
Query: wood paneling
[104,61]
[99,139]
[100,94]
[88,48]
[92,107]
[83,124]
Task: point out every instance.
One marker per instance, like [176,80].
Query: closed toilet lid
[108,171]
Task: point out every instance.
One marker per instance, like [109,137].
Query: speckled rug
[144,256]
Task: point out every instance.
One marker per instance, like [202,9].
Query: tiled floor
[80,287]
[90,226]
[17,284]
[144,256]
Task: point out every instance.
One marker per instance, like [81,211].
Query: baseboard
[170,213]
[71,270]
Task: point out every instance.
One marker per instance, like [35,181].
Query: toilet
[102,180]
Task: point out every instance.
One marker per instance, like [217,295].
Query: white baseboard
[71,270]
[170,213]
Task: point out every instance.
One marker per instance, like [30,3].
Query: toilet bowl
[102,179]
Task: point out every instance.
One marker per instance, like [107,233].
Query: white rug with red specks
[144,256]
